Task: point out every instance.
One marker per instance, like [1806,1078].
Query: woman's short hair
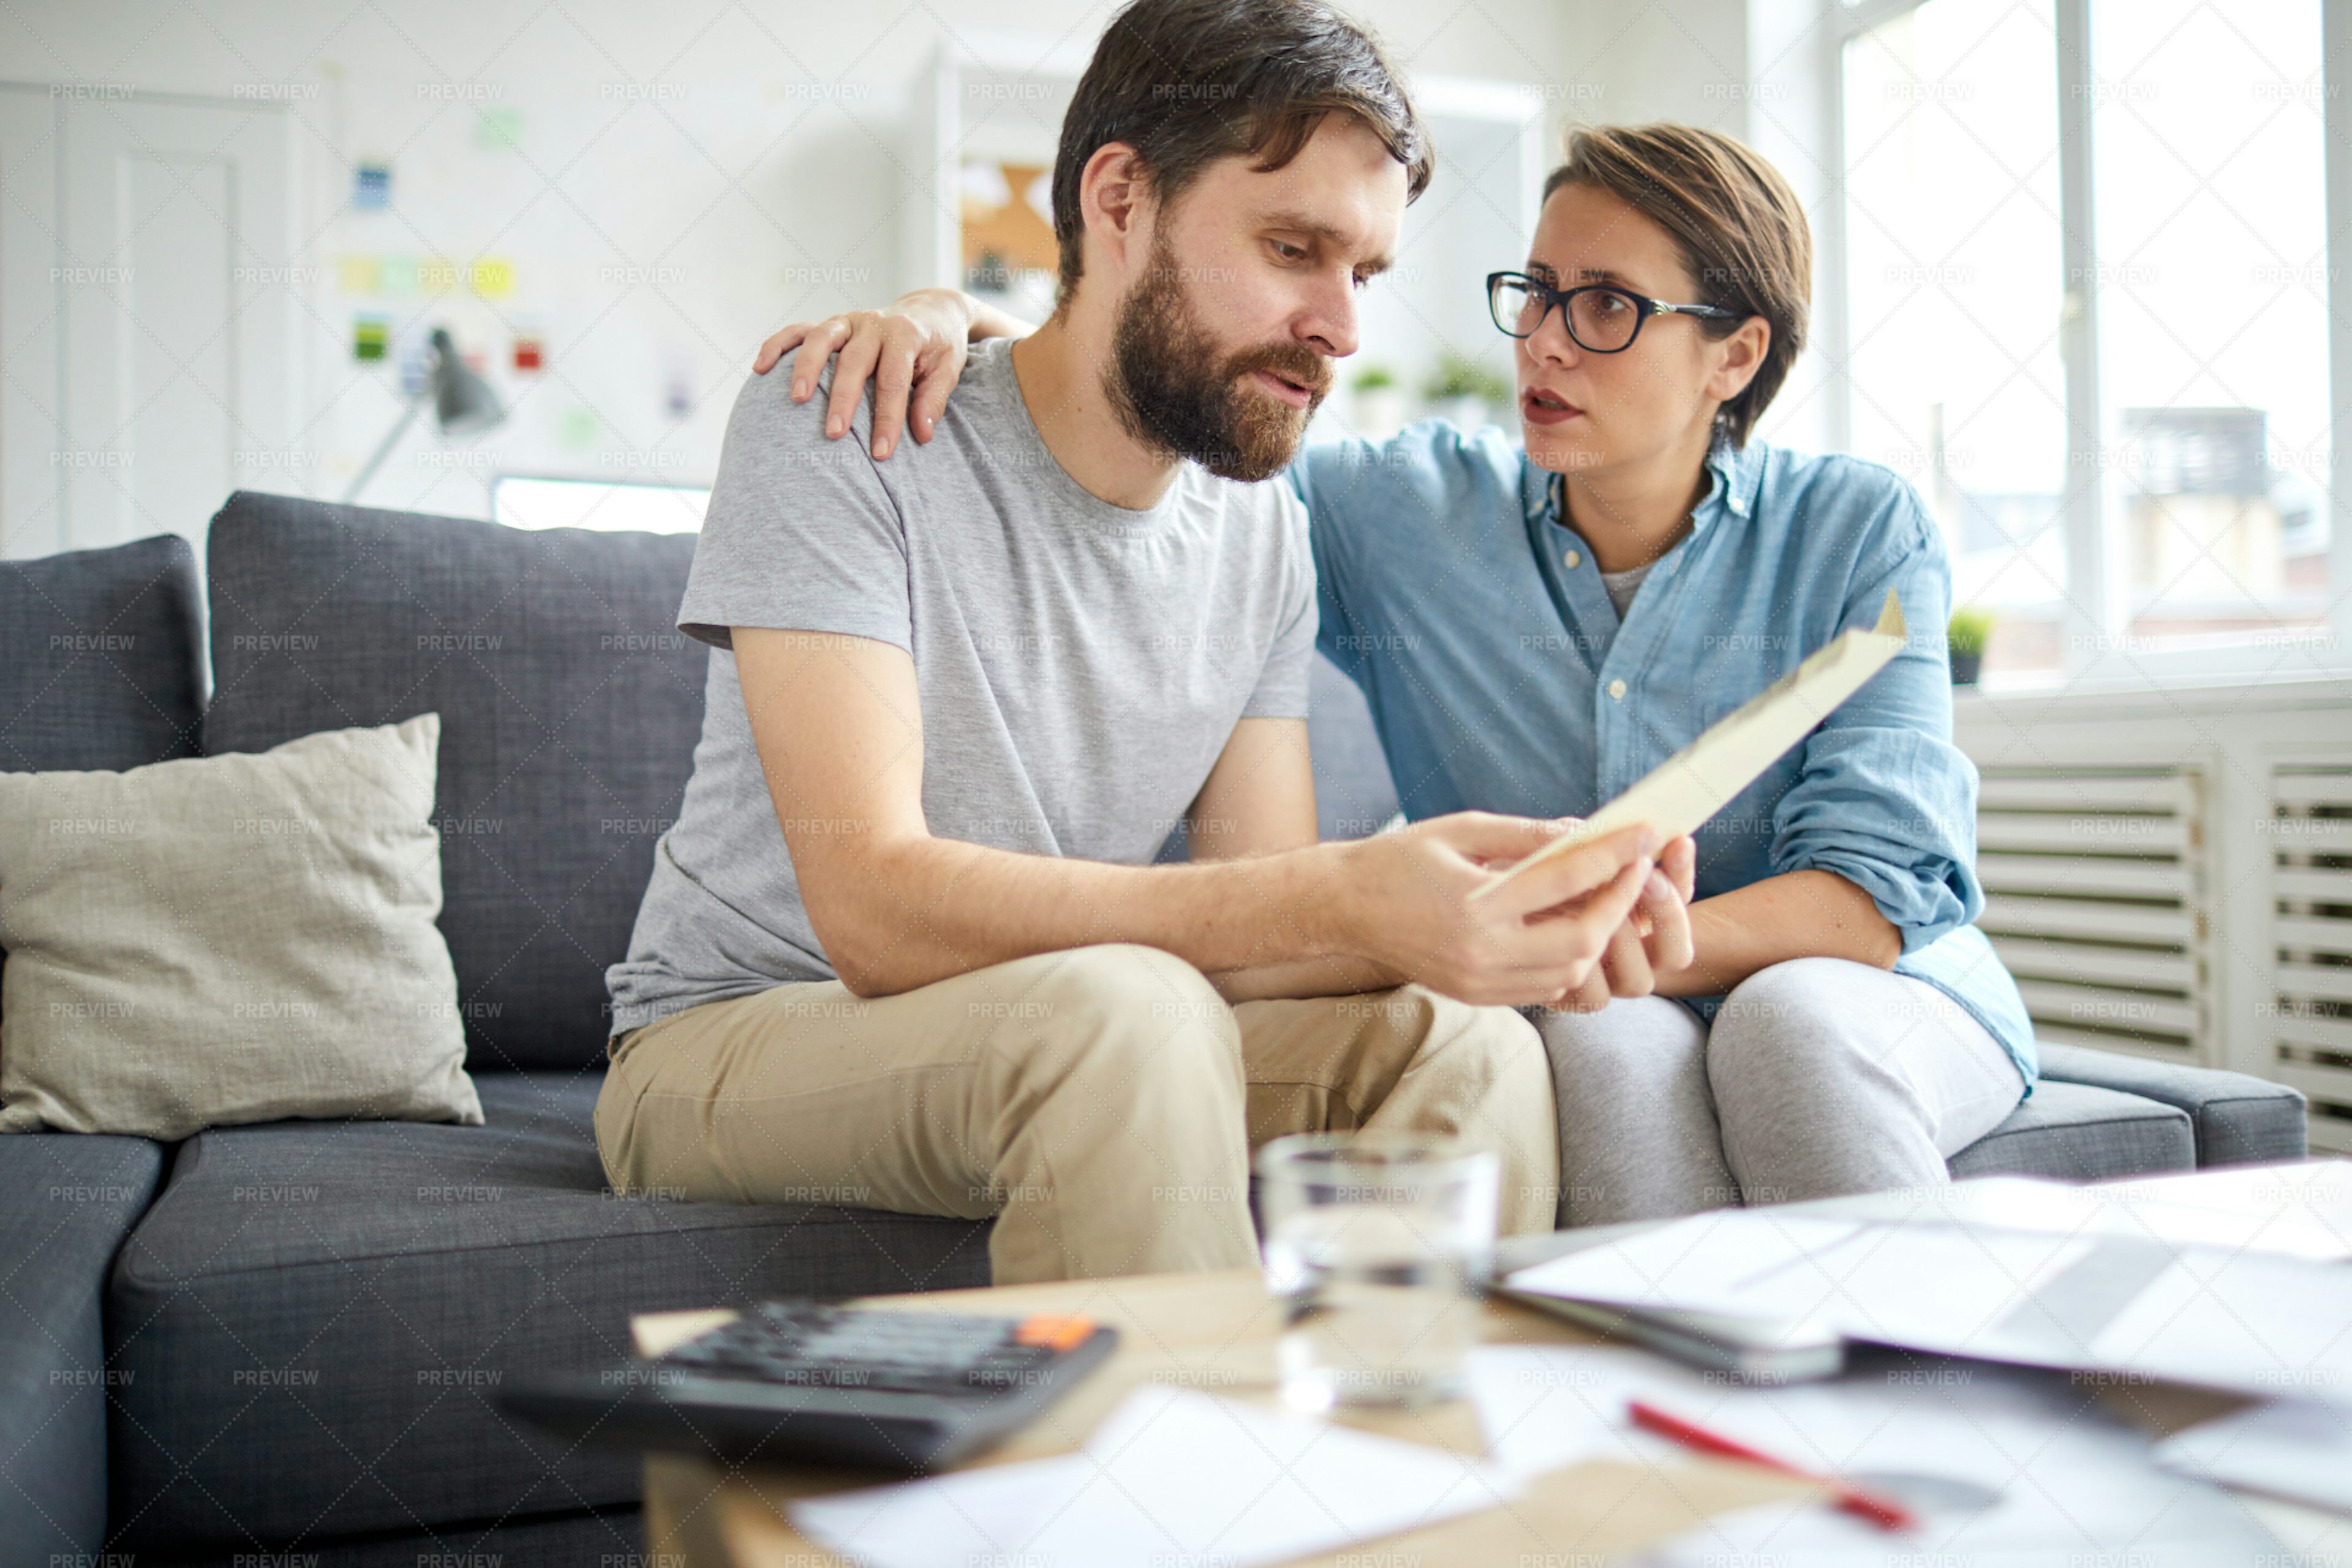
[1741,230]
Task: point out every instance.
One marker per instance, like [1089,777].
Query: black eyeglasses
[1601,318]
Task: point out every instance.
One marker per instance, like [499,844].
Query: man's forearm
[946,907]
[1800,914]
[1334,975]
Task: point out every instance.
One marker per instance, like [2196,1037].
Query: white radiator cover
[2170,873]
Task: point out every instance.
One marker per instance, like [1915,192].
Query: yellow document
[1698,781]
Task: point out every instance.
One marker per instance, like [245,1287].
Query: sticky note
[493,277]
[370,336]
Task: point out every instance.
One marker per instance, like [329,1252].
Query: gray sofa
[286,1337]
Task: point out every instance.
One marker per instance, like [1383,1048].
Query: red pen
[1880,1512]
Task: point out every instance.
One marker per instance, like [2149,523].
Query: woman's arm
[1797,914]
[914,352]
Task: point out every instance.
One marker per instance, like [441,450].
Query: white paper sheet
[1698,781]
[2057,1479]
[2261,1323]
[2302,1210]
[1171,1475]
[2295,1448]
[1545,1407]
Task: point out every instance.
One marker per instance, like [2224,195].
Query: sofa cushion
[65,1203]
[101,657]
[1354,797]
[2237,1119]
[314,1316]
[570,706]
[2075,1132]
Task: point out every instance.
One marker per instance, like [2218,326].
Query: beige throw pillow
[229,939]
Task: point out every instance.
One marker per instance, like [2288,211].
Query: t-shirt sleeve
[1282,685]
[800,534]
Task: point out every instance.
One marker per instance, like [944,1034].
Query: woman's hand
[914,352]
[1654,940]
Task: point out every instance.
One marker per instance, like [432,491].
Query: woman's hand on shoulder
[913,352]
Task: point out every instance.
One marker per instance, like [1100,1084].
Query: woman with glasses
[1537,624]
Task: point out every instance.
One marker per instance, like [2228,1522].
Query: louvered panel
[2313,885]
[2315,933]
[2317,981]
[2080,833]
[2065,790]
[2108,1008]
[2329,1089]
[2152,923]
[2091,881]
[2084,963]
[2302,1029]
[2302,791]
[2059,1034]
[2082,876]
[2309,833]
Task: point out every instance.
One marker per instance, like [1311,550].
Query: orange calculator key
[1054,1330]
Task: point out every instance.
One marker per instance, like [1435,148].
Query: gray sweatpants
[1819,1077]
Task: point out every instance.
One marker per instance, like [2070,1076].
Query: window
[1955,291]
[2212,238]
[2085,285]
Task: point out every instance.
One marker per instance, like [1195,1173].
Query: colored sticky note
[371,187]
[528,353]
[500,128]
[436,274]
[370,334]
[493,277]
[359,273]
[397,275]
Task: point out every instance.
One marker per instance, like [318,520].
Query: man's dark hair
[1185,83]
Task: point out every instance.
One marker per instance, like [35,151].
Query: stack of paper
[2252,1322]
[1171,1475]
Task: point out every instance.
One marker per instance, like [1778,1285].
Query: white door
[32,425]
[179,342]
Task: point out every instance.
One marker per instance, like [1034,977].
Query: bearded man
[907,945]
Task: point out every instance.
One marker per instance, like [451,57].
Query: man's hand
[1655,942]
[914,352]
[1407,905]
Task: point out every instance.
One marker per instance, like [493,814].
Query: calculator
[809,1383]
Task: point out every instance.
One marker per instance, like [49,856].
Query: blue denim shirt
[1474,619]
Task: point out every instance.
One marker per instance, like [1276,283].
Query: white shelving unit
[1002,96]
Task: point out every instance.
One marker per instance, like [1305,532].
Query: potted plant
[1966,638]
[1462,390]
[1379,403]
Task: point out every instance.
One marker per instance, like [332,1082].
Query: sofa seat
[69,1201]
[2079,1132]
[312,1317]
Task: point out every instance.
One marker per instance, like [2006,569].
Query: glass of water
[1379,1244]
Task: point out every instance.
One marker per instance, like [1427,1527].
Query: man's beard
[1174,393]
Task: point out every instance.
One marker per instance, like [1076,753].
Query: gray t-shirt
[1081,665]
[1621,586]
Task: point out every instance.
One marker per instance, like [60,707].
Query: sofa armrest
[67,1200]
[2238,1118]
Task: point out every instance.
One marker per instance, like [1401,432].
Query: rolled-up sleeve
[1884,799]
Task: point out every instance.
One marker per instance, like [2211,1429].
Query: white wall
[687,176]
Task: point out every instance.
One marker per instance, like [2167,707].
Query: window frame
[2096,621]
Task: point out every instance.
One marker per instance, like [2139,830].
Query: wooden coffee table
[1214,1332]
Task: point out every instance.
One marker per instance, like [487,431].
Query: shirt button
[1573,560]
[1617,690]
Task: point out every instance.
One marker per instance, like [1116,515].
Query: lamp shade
[462,401]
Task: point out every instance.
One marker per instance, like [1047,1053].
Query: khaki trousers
[1101,1102]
